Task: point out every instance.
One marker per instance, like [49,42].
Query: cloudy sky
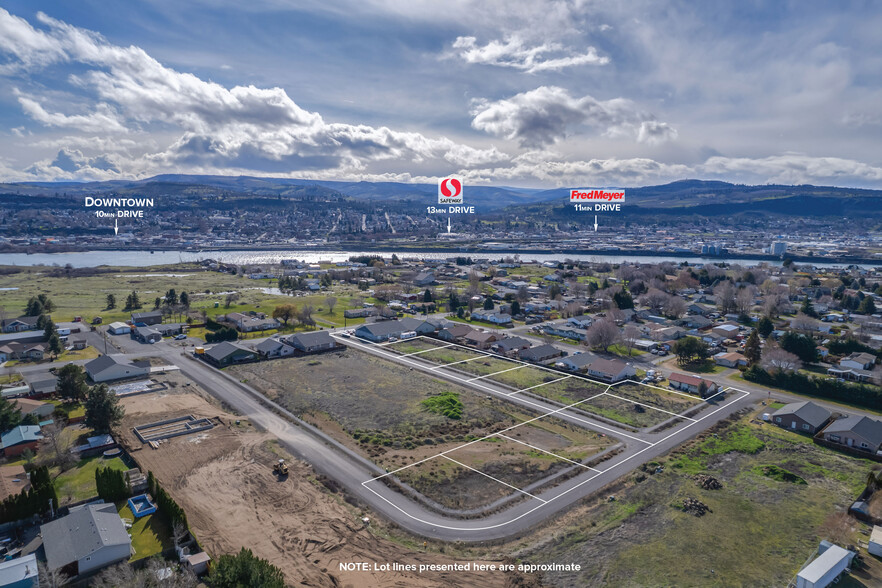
[526,93]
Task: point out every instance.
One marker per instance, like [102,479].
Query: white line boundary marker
[591,425]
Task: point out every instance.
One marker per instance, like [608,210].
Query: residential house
[385,330]
[730,359]
[359,312]
[578,362]
[17,325]
[540,353]
[424,279]
[481,339]
[565,331]
[312,342]
[454,333]
[227,353]
[858,361]
[583,321]
[91,537]
[497,318]
[146,335]
[611,370]
[41,385]
[39,409]
[272,348]
[805,417]
[114,367]
[153,317]
[692,384]
[695,322]
[726,331]
[859,432]
[248,323]
[511,345]
[78,343]
[17,439]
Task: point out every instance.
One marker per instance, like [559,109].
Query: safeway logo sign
[450,190]
[594,195]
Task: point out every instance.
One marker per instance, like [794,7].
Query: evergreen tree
[103,411]
[10,415]
[488,303]
[867,306]
[752,349]
[808,309]
[427,296]
[765,327]
[245,569]
[185,300]
[623,299]
[801,346]
[72,382]
[55,346]
[111,301]
[515,308]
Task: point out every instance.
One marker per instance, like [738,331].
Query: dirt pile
[695,507]
[707,482]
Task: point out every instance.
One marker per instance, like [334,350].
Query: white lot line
[652,407]
[522,515]
[538,385]
[549,453]
[692,396]
[426,350]
[496,479]
[494,373]
[438,367]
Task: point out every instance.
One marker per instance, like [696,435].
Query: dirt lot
[374,405]
[223,480]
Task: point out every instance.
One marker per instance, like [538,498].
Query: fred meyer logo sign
[596,195]
[450,190]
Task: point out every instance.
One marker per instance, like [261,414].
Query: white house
[114,367]
[91,537]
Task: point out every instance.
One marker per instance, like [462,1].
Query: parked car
[180,337]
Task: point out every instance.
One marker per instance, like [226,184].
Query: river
[256,257]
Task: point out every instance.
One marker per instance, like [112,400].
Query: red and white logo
[450,190]
[595,194]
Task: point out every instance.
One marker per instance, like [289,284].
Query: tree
[171,297]
[488,303]
[800,345]
[515,308]
[38,305]
[744,301]
[331,302]
[185,300]
[111,301]
[55,346]
[690,349]
[752,349]
[54,578]
[157,302]
[776,359]
[765,327]
[56,449]
[623,299]
[48,328]
[553,291]
[10,415]
[305,315]
[522,294]
[285,312]
[725,294]
[602,334]
[630,335]
[72,382]
[674,307]
[103,411]
[867,306]
[808,309]
[132,302]
[245,569]
[427,296]
[230,299]
[111,484]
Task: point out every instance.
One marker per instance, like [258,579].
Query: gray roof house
[91,537]
[113,367]
[273,348]
[227,353]
[806,417]
[576,362]
[859,432]
[540,353]
[312,342]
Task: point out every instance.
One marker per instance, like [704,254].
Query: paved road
[352,470]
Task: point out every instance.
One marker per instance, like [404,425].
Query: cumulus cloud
[515,53]
[549,114]
[793,168]
[260,129]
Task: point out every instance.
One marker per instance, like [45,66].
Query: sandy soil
[8,486]
[223,480]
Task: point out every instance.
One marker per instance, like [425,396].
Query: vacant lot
[450,355]
[674,402]
[517,458]
[414,345]
[570,390]
[625,412]
[375,405]
[223,479]
[760,528]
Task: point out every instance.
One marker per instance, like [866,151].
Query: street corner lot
[373,405]
[517,462]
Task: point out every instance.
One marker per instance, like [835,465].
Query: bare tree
[655,299]
[602,334]
[674,307]
[51,578]
[839,528]
[744,300]
[523,294]
[331,302]
[630,335]
[803,323]
[57,450]
[474,286]
[725,294]
[304,315]
[772,305]
[775,359]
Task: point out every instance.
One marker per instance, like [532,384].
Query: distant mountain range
[685,197]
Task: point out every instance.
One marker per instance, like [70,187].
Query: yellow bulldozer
[280,468]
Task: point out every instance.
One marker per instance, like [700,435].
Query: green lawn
[72,409]
[622,350]
[79,483]
[151,535]
[701,367]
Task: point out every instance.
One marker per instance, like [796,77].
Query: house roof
[685,379]
[808,411]
[816,570]
[99,364]
[18,570]
[312,338]
[148,314]
[28,405]
[481,336]
[118,325]
[868,428]
[607,366]
[20,434]
[459,330]
[862,358]
[268,345]
[384,328]
[28,320]
[540,351]
[513,343]
[85,531]
[224,349]
[579,359]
